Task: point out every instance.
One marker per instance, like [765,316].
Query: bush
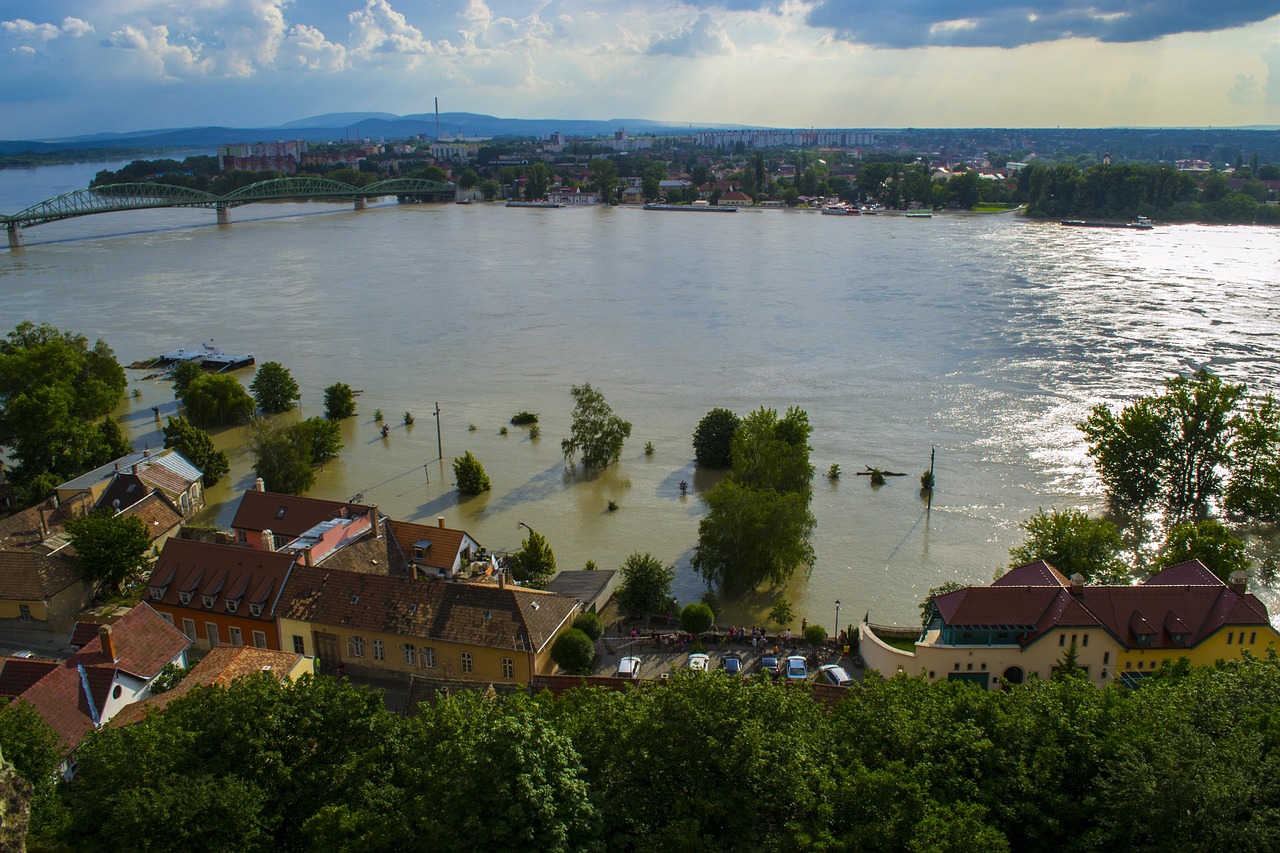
[696,618]
[815,635]
[524,418]
[340,402]
[470,475]
[573,651]
[833,473]
[589,624]
[648,448]
[408,419]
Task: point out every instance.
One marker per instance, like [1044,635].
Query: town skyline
[75,68]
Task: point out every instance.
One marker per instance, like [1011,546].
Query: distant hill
[333,127]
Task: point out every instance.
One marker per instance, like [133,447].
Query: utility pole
[439,443]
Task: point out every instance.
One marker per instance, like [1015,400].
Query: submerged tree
[713,439]
[597,434]
[470,475]
[274,388]
[1073,543]
[217,399]
[340,402]
[646,585]
[195,444]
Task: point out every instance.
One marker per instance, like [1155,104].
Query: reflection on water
[987,337]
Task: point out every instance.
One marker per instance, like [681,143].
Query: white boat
[209,357]
[920,214]
[840,209]
[514,203]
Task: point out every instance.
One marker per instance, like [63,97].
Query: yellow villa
[1023,625]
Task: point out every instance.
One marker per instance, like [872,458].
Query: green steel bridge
[115,197]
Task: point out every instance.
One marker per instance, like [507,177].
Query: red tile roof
[245,575]
[442,543]
[18,674]
[289,516]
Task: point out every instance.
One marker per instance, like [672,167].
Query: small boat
[840,209]
[209,357]
[869,209]
[701,208]
[920,214]
[1142,223]
[514,203]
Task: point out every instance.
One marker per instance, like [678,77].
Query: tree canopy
[470,475]
[573,651]
[339,401]
[1073,543]
[596,434]
[109,546]
[56,392]
[646,585]
[195,444]
[285,456]
[1207,541]
[535,563]
[713,439]
[274,388]
[217,399]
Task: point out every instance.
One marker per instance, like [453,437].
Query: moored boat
[208,357]
[1142,223]
[701,208]
[514,203]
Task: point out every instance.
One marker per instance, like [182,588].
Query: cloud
[71,27]
[705,37]
[307,48]
[379,32]
[1011,23]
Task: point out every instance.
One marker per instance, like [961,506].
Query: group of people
[757,637]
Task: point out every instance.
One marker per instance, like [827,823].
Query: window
[1062,639]
[259,639]
[377,650]
[236,638]
[508,668]
[355,647]
[156,593]
[189,628]
[208,600]
[1085,642]
[410,654]
[1106,657]
[232,605]
[428,658]
[1242,638]
[184,597]
[116,691]
[211,631]
[255,609]
[968,666]
[1230,635]
[168,617]
[299,645]
[466,661]
[25,612]
[242,536]
[1253,637]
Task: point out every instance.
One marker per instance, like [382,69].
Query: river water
[987,337]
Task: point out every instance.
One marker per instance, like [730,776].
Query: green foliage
[377,417]
[815,635]
[33,748]
[470,475]
[195,444]
[590,566]
[170,677]
[589,624]
[108,546]
[535,563]
[340,402]
[604,179]
[1207,541]
[502,431]
[696,618]
[1254,489]
[535,432]
[782,613]
[539,181]
[612,506]
[322,437]
[596,433]
[926,481]
[574,652]
[1069,665]
[217,399]
[468,180]
[55,391]
[713,439]
[284,456]
[274,389]
[646,585]
[926,606]
[648,448]
[712,600]
[408,419]
[524,418]
[833,473]
[1072,542]
[877,477]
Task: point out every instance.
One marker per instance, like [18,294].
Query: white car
[700,662]
[797,668]
[830,673]
[628,667]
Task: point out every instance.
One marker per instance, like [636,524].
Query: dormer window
[255,609]
[280,512]
[184,597]
[1144,639]
[232,604]
[355,599]
[208,601]
[157,592]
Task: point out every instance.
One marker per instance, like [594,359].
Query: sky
[84,66]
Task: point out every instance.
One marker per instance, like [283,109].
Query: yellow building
[378,624]
[1023,625]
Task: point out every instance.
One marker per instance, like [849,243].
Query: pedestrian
[804,627]
[787,635]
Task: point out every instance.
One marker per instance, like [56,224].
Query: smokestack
[268,540]
[437,119]
[259,485]
[440,521]
[108,645]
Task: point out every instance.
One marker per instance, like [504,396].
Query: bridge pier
[224,216]
[361,202]
[15,237]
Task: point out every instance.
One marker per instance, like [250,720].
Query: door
[326,651]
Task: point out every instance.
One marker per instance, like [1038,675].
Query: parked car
[731,664]
[830,673]
[797,668]
[628,667]
[700,662]
[24,654]
[769,666]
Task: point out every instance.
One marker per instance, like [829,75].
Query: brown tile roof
[18,674]
[143,641]
[245,575]
[443,547]
[477,614]
[126,488]
[158,514]
[289,516]
[30,576]
[1038,573]
[21,531]
[370,554]
[220,666]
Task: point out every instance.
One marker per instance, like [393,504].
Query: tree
[339,401]
[538,181]
[195,444]
[713,439]
[468,180]
[320,438]
[108,546]
[574,652]
[281,457]
[1129,451]
[182,374]
[1253,492]
[596,432]
[274,388]
[535,563]
[1199,411]
[589,623]
[646,585]
[815,635]
[696,618]
[604,178]
[926,606]
[217,399]
[773,453]
[1207,541]
[782,613]
[32,748]
[1073,543]
[470,475]
[1069,666]
[490,189]
[650,181]
[966,189]
[55,390]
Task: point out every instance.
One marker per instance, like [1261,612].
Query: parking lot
[664,653]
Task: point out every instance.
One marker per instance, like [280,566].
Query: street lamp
[837,631]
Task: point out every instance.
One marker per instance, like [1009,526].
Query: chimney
[376,518]
[44,525]
[259,485]
[1239,582]
[268,540]
[440,521]
[1077,584]
[502,579]
[413,570]
[108,645]
[134,469]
